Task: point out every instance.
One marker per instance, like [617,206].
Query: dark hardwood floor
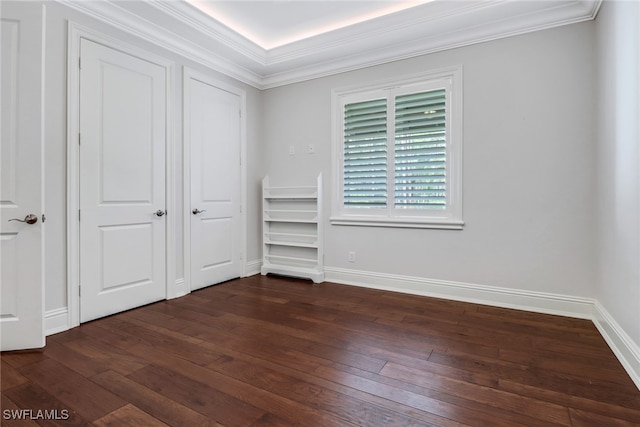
[266,351]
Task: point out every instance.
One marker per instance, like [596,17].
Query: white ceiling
[275,23]
[271,43]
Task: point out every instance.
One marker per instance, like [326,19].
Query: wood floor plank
[33,398]
[581,418]
[77,392]
[14,418]
[272,351]
[23,357]
[614,410]
[78,362]
[291,385]
[438,405]
[163,408]
[107,356]
[128,416]
[11,377]
[515,403]
[182,347]
[271,420]
[297,414]
[213,403]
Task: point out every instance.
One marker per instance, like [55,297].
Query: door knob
[29,219]
[197,211]
[160,212]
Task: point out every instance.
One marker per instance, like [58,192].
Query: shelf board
[292,198]
[294,244]
[298,221]
[312,261]
[291,211]
[303,236]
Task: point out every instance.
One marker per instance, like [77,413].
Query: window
[398,151]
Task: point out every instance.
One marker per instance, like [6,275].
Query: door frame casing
[75,33]
[187,74]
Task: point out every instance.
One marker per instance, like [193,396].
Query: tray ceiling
[271,24]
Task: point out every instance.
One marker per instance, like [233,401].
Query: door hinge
[79,138]
[44,218]
[78,214]
[80,62]
[79,291]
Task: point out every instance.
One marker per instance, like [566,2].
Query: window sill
[440,224]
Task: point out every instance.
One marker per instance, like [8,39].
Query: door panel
[122,181]
[21,171]
[130,246]
[213,132]
[217,249]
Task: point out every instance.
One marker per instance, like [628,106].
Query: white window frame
[451,216]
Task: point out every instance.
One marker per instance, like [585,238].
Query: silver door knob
[198,211]
[29,219]
[160,213]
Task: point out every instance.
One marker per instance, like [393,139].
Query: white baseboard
[540,302]
[56,321]
[627,352]
[253,268]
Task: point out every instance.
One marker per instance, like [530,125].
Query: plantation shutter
[420,150]
[365,154]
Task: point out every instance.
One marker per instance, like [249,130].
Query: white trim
[113,13]
[43,152]
[56,321]
[252,268]
[180,289]
[450,78]
[432,27]
[540,302]
[627,352]
[187,13]
[75,33]
[188,73]
[396,222]
[460,28]
[73,175]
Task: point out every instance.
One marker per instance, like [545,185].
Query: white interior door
[21,243]
[122,181]
[212,128]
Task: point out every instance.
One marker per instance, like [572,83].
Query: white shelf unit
[292,230]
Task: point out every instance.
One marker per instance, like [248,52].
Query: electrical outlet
[352,256]
[311,149]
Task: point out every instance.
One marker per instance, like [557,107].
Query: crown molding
[115,15]
[186,13]
[461,27]
[432,27]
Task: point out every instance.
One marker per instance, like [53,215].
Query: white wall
[529,158]
[56,149]
[618,166]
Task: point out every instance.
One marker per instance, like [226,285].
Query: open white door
[212,131]
[21,172]
[122,181]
